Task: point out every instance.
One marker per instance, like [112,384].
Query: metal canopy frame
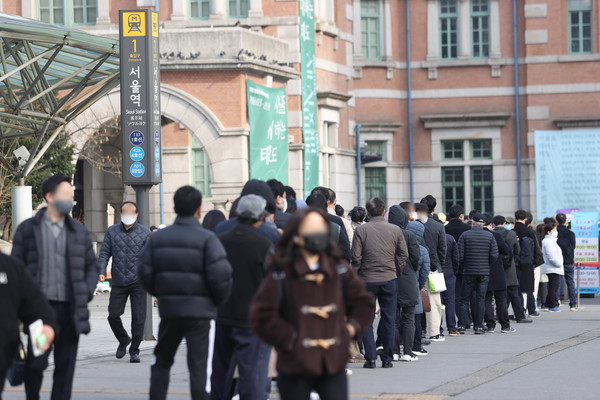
[49,75]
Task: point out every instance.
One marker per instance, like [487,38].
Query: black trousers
[245,345]
[329,387]
[406,329]
[65,355]
[170,333]
[116,307]
[552,288]
[2,380]
[501,309]
[516,300]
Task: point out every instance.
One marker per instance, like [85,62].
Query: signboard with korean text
[567,168]
[310,132]
[140,97]
[589,279]
[585,227]
[267,116]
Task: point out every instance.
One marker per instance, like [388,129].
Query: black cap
[260,188]
[51,183]
[478,217]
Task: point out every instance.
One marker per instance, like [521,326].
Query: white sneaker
[348,372]
[408,358]
[396,357]
[314,396]
[574,309]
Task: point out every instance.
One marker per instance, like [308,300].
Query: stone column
[464,33]
[495,51]
[387,26]
[255,9]
[218,9]
[433,34]
[179,10]
[357,30]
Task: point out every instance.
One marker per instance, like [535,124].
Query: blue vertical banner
[308,71]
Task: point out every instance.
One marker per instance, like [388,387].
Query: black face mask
[316,243]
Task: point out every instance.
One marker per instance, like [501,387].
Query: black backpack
[526,257]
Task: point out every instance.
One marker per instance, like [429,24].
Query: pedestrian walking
[478,250]
[185,267]
[58,254]
[553,265]
[566,241]
[309,307]
[123,242]
[22,300]
[246,251]
[378,252]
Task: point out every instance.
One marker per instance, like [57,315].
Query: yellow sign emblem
[134,24]
[155,24]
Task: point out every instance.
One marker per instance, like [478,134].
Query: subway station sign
[140,97]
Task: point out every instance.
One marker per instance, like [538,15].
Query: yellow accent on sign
[134,24]
[155,24]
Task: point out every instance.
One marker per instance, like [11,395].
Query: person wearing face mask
[309,307]
[281,217]
[123,242]
[553,264]
[58,255]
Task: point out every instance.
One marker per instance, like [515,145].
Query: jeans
[170,333]
[245,345]
[386,293]
[65,355]
[449,300]
[116,308]
[472,284]
[501,309]
[570,282]
[297,387]
[552,288]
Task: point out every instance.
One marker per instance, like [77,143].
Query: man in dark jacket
[58,254]
[185,267]
[525,268]
[566,241]
[21,300]
[378,251]
[456,225]
[510,271]
[246,251]
[478,250]
[124,243]
[281,217]
[496,290]
[450,269]
[408,292]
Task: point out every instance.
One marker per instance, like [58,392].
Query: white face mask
[128,219]
[555,234]
[415,216]
[285,205]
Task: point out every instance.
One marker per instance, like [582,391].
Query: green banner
[267,115]
[309,96]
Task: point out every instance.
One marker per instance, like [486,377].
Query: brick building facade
[463,119]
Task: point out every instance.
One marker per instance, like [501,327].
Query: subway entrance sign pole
[141,134]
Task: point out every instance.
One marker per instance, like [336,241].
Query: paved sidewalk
[555,357]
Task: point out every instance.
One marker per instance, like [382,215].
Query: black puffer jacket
[408,293]
[124,246]
[186,268]
[478,250]
[81,260]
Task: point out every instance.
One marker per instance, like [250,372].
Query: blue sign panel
[137,169]
[136,138]
[156,153]
[136,153]
[157,169]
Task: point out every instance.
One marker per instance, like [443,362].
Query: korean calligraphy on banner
[267,115]
[140,97]
[309,96]
[566,170]
[585,228]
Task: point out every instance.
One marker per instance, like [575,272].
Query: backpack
[527,251]
[507,258]
[279,276]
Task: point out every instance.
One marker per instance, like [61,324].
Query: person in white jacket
[553,265]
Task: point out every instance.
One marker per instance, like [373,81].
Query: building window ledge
[387,63]
[580,122]
[493,62]
[333,99]
[454,121]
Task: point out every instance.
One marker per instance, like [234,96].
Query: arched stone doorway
[226,149]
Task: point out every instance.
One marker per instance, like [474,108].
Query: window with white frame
[580,26]
[480,28]
[199,9]
[68,12]
[370,23]
[449,29]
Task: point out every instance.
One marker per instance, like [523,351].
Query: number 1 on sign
[134,41]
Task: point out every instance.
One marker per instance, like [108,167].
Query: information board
[267,115]
[140,97]
[585,227]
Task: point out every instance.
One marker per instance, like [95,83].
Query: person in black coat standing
[185,267]
[456,224]
[530,245]
[58,255]
[497,286]
[21,300]
[247,251]
[566,241]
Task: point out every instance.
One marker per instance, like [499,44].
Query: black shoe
[134,358]
[479,331]
[369,364]
[490,329]
[461,331]
[122,349]
[534,314]
[425,342]
[387,364]
[524,321]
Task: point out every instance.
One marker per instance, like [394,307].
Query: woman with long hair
[309,307]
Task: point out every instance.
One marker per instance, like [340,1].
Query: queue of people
[294,286]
